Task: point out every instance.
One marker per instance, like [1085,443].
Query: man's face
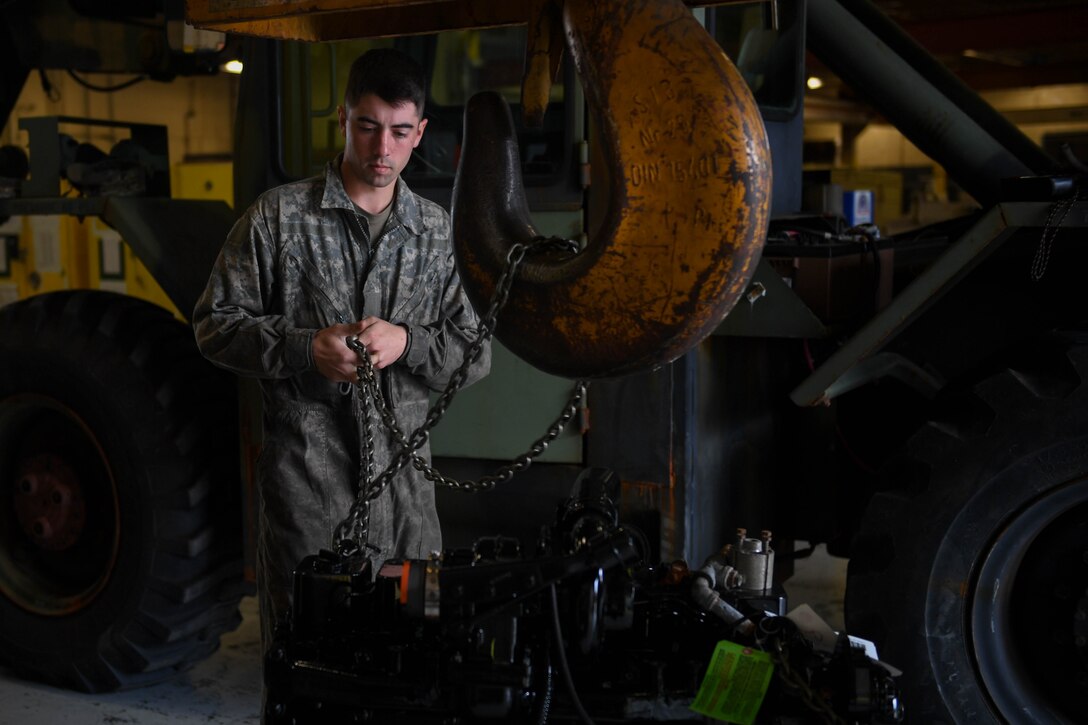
[378,139]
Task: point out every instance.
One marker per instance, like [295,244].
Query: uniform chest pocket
[414,291]
[306,298]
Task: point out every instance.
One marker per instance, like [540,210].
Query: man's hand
[384,341]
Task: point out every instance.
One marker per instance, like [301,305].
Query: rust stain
[689,166]
[657,496]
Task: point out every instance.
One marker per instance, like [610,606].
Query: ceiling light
[1001,58]
[232,66]
[814,82]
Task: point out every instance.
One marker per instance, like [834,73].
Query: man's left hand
[383,340]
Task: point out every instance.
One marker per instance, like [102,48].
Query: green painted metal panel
[503,414]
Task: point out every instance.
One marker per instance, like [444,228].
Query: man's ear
[342,118]
[419,135]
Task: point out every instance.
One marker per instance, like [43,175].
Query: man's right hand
[332,356]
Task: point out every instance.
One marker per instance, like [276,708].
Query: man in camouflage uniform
[351,253]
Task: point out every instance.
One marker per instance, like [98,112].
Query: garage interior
[831,407]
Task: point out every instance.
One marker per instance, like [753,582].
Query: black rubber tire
[972,575]
[115,390]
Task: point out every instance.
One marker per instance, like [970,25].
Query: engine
[582,629]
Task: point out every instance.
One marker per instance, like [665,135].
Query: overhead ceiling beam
[1043,28]
[993,77]
[327,20]
[1058,114]
[343,19]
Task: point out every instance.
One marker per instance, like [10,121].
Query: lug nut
[42,529]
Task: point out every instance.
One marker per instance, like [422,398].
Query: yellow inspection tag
[735,684]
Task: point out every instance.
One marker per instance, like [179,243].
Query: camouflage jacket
[296,262]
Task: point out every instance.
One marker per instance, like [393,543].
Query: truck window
[458,63]
[771,59]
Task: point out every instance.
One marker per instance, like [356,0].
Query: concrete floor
[819,581]
[225,689]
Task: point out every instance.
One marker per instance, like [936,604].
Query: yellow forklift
[914,401]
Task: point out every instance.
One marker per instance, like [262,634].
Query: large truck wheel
[120,522]
[973,576]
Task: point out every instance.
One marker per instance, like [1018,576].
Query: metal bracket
[847,367]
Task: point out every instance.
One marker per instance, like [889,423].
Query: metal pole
[938,126]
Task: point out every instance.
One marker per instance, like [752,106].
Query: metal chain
[366,442]
[356,524]
[503,474]
[793,679]
[517,464]
[367,452]
[1050,231]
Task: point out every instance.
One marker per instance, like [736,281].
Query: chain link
[791,678]
[366,453]
[356,524]
[366,443]
[1054,220]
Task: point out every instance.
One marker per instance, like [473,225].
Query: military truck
[915,401]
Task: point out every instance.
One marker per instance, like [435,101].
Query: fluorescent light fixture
[1000,58]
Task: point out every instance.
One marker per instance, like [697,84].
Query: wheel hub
[1029,607]
[59,515]
[49,503]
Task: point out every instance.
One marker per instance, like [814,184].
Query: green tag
[735,683]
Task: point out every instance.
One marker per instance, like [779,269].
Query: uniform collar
[405,205]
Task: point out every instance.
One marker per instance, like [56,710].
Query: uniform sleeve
[234,321]
[436,350]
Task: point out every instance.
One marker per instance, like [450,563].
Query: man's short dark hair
[391,75]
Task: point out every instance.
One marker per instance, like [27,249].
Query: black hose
[106,89]
[564,667]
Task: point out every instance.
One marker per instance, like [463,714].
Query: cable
[870,243]
[564,667]
[1072,160]
[48,88]
[854,457]
[105,89]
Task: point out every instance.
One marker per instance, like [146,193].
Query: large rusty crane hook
[689,173]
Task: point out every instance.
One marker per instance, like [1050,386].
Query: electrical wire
[106,89]
[810,360]
[48,88]
[1072,160]
[564,667]
[146,24]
